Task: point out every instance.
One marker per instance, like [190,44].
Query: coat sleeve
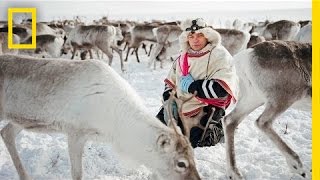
[207,89]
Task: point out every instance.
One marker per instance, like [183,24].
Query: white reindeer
[86,100]
[305,34]
[101,37]
[275,74]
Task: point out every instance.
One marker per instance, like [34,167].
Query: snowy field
[45,156]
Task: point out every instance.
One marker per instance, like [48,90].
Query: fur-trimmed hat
[197,26]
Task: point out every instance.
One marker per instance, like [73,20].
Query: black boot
[214,132]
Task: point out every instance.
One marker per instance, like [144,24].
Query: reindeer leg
[144,46]
[137,56]
[8,134]
[133,51]
[151,45]
[73,53]
[264,123]
[90,53]
[76,144]
[244,107]
[97,53]
[119,51]
[126,59]
[108,53]
[154,55]
[125,46]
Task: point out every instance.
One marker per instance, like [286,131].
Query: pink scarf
[184,65]
[222,103]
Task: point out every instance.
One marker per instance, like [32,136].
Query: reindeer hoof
[235,175]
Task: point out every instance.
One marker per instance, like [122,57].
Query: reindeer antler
[168,108]
[188,122]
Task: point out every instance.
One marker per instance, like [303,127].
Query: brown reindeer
[275,74]
[255,39]
[279,30]
[140,33]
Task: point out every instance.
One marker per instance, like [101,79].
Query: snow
[45,156]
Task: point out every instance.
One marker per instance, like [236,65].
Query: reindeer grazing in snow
[101,37]
[86,100]
[276,74]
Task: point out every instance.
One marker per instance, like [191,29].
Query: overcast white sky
[46,9]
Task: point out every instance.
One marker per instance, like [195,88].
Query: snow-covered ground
[45,156]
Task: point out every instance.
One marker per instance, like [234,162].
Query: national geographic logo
[33,12]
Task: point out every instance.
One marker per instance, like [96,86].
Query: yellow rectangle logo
[33,12]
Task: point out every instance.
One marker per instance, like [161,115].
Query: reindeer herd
[47,93]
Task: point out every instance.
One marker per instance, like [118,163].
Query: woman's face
[197,41]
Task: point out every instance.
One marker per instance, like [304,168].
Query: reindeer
[86,100]
[4,43]
[47,46]
[101,37]
[234,40]
[304,23]
[164,34]
[255,39]
[305,34]
[276,74]
[280,30]
[140,33]
[22,32]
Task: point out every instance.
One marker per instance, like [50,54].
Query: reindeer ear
[165,143]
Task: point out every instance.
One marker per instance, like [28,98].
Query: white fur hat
[197,26]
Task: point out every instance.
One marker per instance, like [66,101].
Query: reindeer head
[175,150]
[118,36]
